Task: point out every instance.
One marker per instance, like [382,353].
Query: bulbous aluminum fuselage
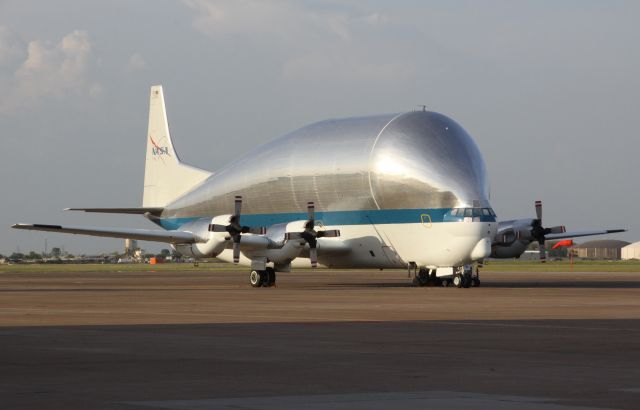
[388,182]
[409,161]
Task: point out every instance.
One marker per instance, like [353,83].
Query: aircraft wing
[132,211]
[576,234]
[125,233]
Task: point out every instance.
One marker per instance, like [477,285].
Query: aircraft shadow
[512,284]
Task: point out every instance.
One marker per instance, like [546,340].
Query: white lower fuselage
[445,244]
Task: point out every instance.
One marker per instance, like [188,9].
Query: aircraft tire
[256,278]
[457,280]
[423,277]
[475,282]
[270,277]
[467,282]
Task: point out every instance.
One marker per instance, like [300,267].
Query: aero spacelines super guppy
[383,191]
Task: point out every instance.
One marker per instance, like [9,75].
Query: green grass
[562,266]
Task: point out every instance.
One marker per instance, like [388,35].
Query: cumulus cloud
[284,19]
[312,40]
[47,70]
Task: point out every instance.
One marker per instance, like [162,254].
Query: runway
[192,340]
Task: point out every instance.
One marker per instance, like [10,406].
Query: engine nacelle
[210,245]
[512,239]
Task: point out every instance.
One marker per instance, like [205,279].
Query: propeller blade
[311,213]
[217,228]
[292,235]
[238,208]
[557,229]
[331,233]
[260,230]
[313,255]
[543,252]
[539,210]
[236,251]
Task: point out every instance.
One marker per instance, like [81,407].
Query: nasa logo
[158,150]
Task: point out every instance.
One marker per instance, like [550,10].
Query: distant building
[631,251]
[130,246]
[609,249]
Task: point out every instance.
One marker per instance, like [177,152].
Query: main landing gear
[426,277]
[266,278]
[465,277]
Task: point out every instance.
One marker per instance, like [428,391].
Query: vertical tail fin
[165,177]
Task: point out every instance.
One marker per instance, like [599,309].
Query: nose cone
[427,160]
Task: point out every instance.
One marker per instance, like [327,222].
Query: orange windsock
[567,242]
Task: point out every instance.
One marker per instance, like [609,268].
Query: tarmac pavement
[192,340]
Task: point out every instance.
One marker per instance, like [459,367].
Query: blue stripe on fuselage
[331,218]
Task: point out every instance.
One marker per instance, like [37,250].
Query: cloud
[46,71]
[311,40]
[252,18]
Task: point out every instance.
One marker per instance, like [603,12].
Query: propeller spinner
[235,229]
[310,235]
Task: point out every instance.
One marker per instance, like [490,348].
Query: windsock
[567,242]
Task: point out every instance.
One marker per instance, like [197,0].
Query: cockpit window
[463,213]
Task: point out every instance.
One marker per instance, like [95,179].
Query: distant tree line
[58,253]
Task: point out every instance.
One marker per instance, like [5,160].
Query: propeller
[235,229]
[538,232]
[310,235]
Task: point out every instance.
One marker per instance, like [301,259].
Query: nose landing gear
[461,277]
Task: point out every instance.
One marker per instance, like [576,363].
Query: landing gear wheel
[256,278]
[466,280]
[423,277]
[475,282]
[270,274]
[457,280]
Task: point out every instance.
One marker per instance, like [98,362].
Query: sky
[549,90]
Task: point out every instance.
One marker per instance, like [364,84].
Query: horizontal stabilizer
[124,233]
[132,211]
[576,234]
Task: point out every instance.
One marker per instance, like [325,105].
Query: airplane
[406,190]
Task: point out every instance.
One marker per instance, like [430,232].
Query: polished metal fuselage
[414,160]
